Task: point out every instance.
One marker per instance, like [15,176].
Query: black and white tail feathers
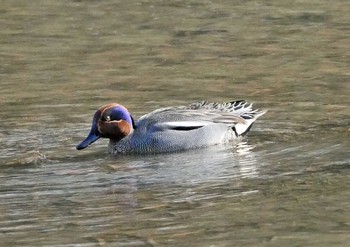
[246,111]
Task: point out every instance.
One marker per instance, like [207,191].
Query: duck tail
[242,129]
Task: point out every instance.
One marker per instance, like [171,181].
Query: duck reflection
[193,175]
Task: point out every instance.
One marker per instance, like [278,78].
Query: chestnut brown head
[111,121]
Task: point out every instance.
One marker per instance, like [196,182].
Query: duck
[171,129]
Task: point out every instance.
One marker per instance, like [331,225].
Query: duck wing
[198,115]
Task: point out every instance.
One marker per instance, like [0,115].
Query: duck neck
[119,145]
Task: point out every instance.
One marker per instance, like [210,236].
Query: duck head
[111,121]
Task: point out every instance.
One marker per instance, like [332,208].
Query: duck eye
[108,118]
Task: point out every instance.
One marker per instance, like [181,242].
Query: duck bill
[92,137]
[94,134]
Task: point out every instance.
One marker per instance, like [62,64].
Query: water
[285,185]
